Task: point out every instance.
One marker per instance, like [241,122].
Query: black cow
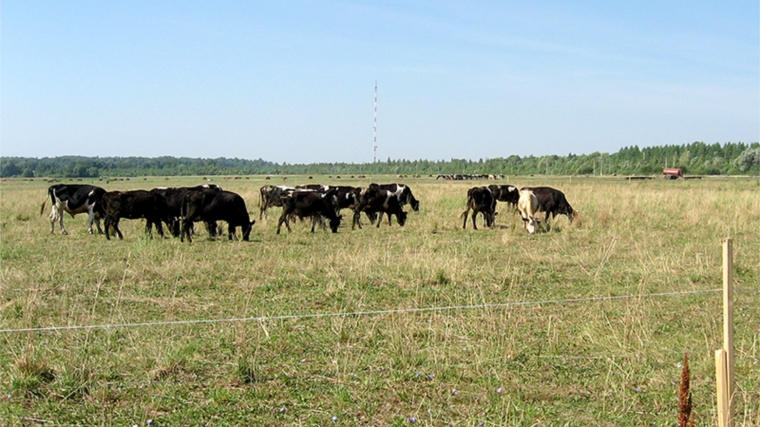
[480,199]
[174,197]
[134,205]
[310,204]
[505,193]
[552,201]
[377,200]
[75,199]
[212,206]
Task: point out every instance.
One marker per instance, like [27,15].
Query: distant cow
[505,193]
[480,199]
[552,201]
[527,206]
[377,200]
[209,206]
[75,199]
[174,197]
[310,204]
[134,205]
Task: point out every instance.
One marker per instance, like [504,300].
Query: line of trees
[696,158]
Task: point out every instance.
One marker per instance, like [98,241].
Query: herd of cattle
[180,208]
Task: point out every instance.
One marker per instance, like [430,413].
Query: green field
[428,324]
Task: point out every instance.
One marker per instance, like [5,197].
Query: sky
[295,81]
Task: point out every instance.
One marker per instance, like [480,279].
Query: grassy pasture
[558,351]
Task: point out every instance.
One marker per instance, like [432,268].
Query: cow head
[247,230]
[531,224]
[335,223]
[402,218]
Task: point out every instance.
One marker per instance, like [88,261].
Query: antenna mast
[374,128]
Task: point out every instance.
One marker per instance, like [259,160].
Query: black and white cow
[312,204]
[75,199]
[174,197]
[505,193]
[272,196]
[403,193]
[552,201]
[374,199]
[207,206]
[134,204]
[480,200]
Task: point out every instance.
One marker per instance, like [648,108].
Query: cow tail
[52,200]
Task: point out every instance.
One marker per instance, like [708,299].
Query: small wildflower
[481,424]
[430,376]
[418,375]
[639,390]
[149,422]
[412,420]
[500,390]
[454,391]
[283,410]
[334,418]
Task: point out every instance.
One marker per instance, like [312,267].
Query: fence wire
[353,313]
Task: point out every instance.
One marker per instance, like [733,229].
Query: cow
[403,193]
[272,196]
[212,206]
[377,200]
[552,201]
[134,205]
[75,199]
[310,204]
[174,197]
[480,199]
[505,193]
[527,206]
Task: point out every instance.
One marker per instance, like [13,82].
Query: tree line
[697,158]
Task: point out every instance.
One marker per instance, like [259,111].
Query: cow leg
[379,220]
[474,218]
[57,215]
[116,228]
[230,231]
[107,225]
[91,217]
[186,225]
[283,218]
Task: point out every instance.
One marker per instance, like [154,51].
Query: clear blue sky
[294,81]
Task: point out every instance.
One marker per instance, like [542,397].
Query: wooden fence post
[724,357]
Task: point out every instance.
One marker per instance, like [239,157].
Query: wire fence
[355,313]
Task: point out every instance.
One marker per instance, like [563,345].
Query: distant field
[583,325]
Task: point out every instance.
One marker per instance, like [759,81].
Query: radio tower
[374,128]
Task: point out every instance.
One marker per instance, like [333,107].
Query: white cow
[527,205]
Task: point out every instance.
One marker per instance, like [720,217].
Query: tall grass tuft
[685,415]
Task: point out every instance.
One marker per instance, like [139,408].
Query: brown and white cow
[552,201]
[527,206]
[75,199]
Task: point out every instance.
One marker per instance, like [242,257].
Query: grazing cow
[212,206]
[272,196]
[310,204]
[480,199]
[505,193]
[377,200]
[174,197]
[134,205]
[552,201]
[527,205]
[403,193]
[75,199]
